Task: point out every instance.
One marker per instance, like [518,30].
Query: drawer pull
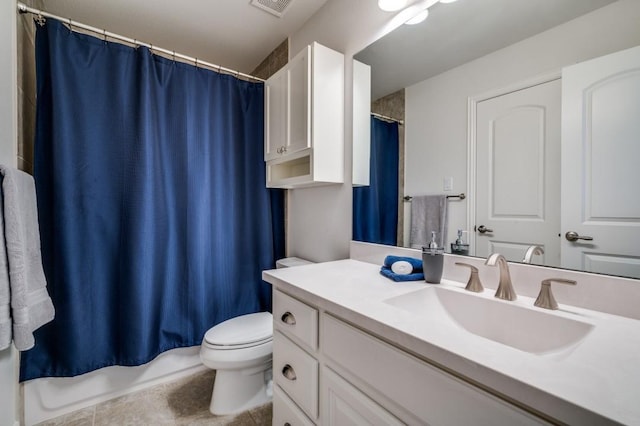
[288,372]
[288,318]
[287,424]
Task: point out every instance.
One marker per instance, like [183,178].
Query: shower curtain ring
[174,56]
[70,25]
[40,20]
[104,34]
[196,62]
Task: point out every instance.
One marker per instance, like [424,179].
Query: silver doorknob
[482,229]
[573,236]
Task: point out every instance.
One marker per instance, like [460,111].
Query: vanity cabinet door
[343,404]
[411,388]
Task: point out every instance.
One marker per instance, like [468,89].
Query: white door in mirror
[600,173]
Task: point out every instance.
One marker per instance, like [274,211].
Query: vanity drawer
[296,372]
[285,412]
[411,385]
[296,320]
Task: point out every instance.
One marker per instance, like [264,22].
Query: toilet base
[235,391]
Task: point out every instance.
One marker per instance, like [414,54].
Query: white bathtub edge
[48,398]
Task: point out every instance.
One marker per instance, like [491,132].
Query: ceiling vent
[275,7]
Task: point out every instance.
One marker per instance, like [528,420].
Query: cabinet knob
[288,318]
[289,373]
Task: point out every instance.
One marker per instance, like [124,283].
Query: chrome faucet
[505,288]
[531,251]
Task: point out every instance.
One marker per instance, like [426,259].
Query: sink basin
[528,329]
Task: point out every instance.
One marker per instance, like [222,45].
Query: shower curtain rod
[387,118]
[23,8]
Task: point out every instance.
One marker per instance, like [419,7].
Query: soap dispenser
[460,247]
[432,261]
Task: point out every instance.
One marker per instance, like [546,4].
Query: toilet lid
[250,328]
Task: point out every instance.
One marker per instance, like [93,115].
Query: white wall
[436,109]
[9,395]
[319,219]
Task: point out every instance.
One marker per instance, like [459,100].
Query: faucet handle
[545,297]
[474,283]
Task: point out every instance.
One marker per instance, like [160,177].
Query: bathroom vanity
[352,347]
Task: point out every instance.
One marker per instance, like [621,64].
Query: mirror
[469,52]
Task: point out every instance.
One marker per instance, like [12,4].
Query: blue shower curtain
[375,207]
[154,216]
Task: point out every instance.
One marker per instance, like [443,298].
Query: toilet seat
[240,332]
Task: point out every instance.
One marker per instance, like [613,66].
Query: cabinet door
[276,114]
[343,404]
[300,101]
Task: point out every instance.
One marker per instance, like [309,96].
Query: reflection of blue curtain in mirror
[375,207]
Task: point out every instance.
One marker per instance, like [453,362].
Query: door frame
[472,104]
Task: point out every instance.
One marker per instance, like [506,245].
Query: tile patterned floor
[183,402]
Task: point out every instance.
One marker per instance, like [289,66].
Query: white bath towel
[5,294]
[428,213]
[31,306]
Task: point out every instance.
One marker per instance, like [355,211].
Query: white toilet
[239,349]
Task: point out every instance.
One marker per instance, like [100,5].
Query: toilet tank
[288,262]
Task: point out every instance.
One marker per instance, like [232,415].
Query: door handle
[573,236]
[483,229]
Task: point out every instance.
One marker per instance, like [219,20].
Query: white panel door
[601,164]
[518,173]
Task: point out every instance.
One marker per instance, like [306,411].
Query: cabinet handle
[288,318]
[279,150]
[289,373]
[287,424]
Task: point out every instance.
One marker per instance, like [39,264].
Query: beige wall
[26,36]
[273,62]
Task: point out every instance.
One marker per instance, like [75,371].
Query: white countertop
[596,381]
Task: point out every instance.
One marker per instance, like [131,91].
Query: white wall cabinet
[304,120]
[352,377]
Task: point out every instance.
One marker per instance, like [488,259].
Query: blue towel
[387,272]
[416,263]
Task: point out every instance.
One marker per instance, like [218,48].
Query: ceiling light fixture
[447,1]
[421,16]
[392,5]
